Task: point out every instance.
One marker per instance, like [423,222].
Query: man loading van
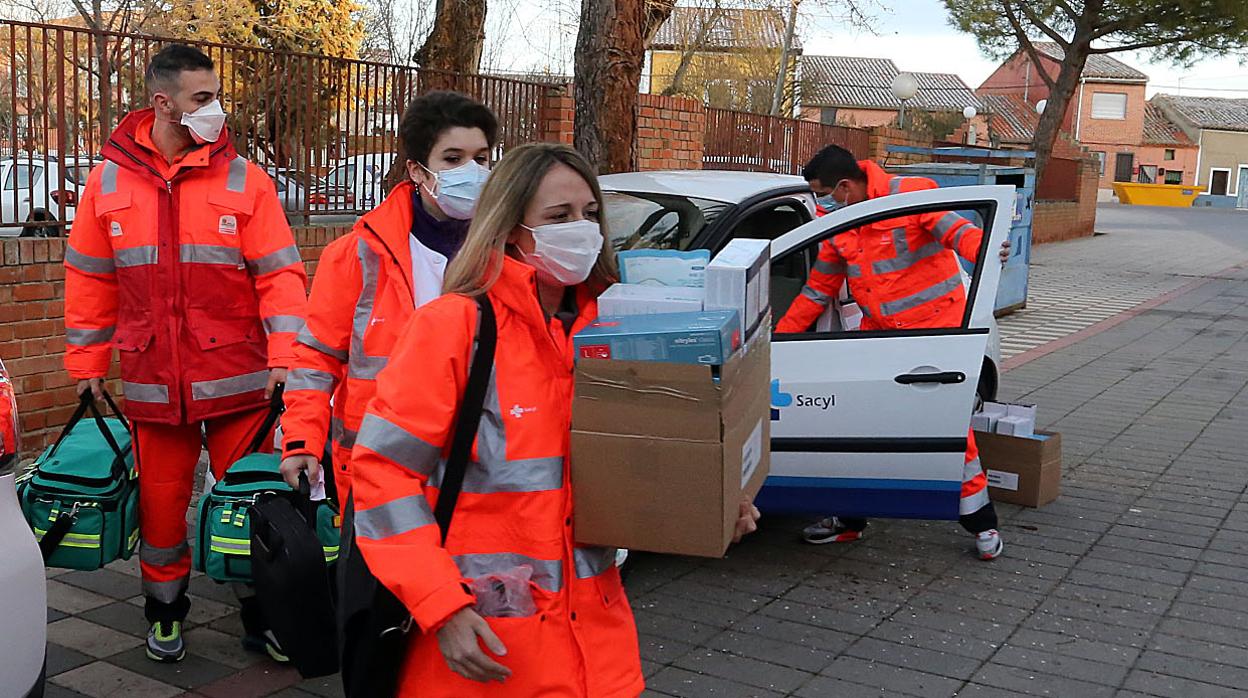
[180,257]
[904,274]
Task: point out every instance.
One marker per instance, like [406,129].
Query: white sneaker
[989,544]
[621,556]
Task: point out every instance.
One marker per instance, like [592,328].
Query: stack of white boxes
[1005,418]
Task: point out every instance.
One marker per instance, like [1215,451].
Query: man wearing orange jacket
[180,257]
[904,274]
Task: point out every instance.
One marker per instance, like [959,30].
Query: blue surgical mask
[458,189]
[829,203]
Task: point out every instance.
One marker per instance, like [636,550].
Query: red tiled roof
[1160,130]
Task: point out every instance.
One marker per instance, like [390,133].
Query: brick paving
[1133,583]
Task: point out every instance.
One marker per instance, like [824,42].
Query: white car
[37,188]
[364,176]
[863,423]
[23,586]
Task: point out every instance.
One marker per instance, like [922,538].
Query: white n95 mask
[206,122]
[565,253]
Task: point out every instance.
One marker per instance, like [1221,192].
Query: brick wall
[669,133]
[558,115]
[32,329]
[883,136]
[1065,220]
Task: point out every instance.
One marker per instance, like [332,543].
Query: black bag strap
[86,402]
[56,533]
[469,415]
[276,407]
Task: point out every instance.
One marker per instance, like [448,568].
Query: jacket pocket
[213,331]
[229,213]
[132,339]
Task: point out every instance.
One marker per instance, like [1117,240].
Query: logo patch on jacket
[228,225]
[519,411]
[114,229]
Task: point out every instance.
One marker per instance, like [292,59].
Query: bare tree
[706,22]
[393,27]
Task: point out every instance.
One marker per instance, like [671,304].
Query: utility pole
[777,97]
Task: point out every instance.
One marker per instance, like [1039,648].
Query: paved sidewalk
[1134,583]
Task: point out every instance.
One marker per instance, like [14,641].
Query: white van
[364,176]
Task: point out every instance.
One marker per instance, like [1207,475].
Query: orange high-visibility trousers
[166,457]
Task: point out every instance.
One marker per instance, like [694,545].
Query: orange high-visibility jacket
[185,269]
[361,298]
[515,507]
[902,271]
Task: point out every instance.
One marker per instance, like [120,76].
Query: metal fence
[736,140]
[325,128]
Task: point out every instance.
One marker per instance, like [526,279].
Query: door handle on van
[947,377]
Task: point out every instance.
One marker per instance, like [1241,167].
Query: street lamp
[904,88]
[969,113]
[1041,105]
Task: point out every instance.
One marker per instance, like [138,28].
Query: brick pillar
[557,115]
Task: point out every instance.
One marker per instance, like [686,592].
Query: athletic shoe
[989,545]
[265,643]
[829,530]
[621,556]
[164,642]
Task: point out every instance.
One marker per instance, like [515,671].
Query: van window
[22,176]
[342,176]
[639,220]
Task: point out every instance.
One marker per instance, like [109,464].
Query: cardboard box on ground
[1023,465]
[663,453]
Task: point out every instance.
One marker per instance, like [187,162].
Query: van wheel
[40,215]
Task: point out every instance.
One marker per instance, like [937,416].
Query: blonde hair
[512,184]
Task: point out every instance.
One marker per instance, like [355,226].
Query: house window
[827,116]
[1169,154]
[1109,105]
[1174,176]
[1100,157]
[1148,174]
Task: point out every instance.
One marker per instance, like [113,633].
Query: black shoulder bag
[375,623]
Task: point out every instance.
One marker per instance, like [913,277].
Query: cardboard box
[982,421]
[738,278]
[851,317]
[1011,425]
[663,454]
[691,338]
[634,299]
[1022,470]
[664,267]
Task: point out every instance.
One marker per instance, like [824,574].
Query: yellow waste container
[1156,194]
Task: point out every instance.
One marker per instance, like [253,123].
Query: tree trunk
[782,71]
[1058,103]
[609,55]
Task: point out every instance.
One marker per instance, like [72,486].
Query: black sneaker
[164,642]
[265,643]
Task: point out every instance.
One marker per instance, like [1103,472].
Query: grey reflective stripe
[946,223]
[395,443]
[229,545]
[894,184]
[930,293]
[900,244]
[829,268]
[817,296]
[972,503]
[79,337]
[971,469]
[310,379]
[145,392]
[547,574]
[163,556]
[87,263]
[521,475]
[226,387]
[957,238]
[135,256]
[905,260]
[283,323]
[394,518]
[307,339]
[854,270]
[273,261]
[344,437]
[166,592]
[211,254]
[591,562]
[236,180]
[360,364]
[108,177]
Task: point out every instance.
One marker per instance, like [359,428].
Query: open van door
[875,423]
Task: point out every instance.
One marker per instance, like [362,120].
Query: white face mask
[565,253]
[458,189]
[206,122]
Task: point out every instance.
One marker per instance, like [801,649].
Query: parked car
[23,586]
[869,434]
[364,176]
[28,192]
[302,192]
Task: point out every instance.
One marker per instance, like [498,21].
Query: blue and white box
[708,337]
[664,267]
[637,299]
